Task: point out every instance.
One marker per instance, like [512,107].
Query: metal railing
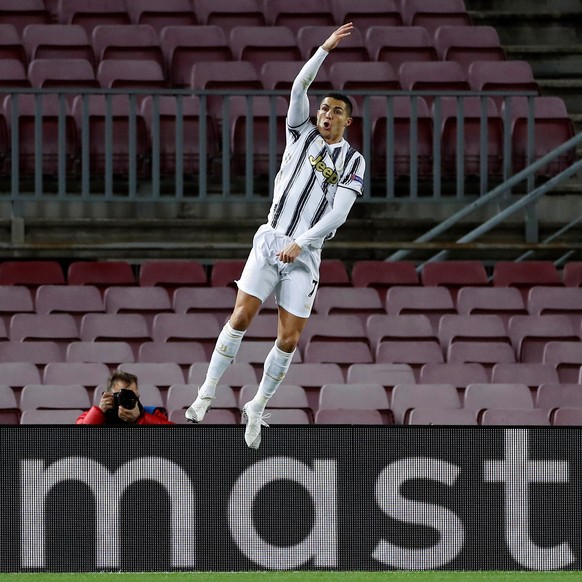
[128,155]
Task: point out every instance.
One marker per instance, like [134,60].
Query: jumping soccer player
[320,177]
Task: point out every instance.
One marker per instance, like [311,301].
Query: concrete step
[568,89]
[549,62]
[528,6]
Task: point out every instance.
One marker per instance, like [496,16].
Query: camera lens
[126,398]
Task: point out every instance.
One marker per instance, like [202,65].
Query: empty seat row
[230,13]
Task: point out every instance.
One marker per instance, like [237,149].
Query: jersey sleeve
[353,176]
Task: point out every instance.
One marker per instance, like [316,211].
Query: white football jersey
[310,174]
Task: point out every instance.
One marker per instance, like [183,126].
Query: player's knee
[288,342]
[241,318]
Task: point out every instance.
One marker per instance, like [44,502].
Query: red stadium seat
[51,73]
[48,41]
[230,13]
[480,397]
[552,396]
[399,329]
[481,328]
[526,274]
[415,354]
[351,49]
[171,274]
[53,416]
[158,15]
[485,353]
[454,274]
[100,273]
[531,373]
[353,397]
[572,274]
[515,417]
[236,375]
[14,299]
[21,13]
[384,274]
[13,73]
[566,358]
[131,74]
[11,46]
[9,411]
[91,15]
[543,300]
[110,353]
[300,13]
[279,75]
[406,397]
[386,374]
[431,15]
[442,416]
[333,273]
[89,374]
[367,13]
[224,273]
[501,301]
[34,352]
[351,416]
[74,299]
[459,374]
[162,375]
[31,273]
[567,416]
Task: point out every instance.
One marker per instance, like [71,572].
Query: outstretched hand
[337,35]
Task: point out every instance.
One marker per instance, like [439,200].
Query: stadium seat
[454,274]
[314,375]
[263,327]
[35,396]
[567,416]
[158,15]
[473,109]
[171,274]
[383,274]
[344,353]
[53,73]
[9,411]
[301,13]
[431,15]
[543,300]
[459,374]
[531,373]
[433,76]
[213,416]
[366,13]
[88,374]
[400,112]
[549,397]
[129,42]
[333,329]
[54,416]
[131,74]
[485,353]
[31,273]
[49,41]
[218,301]
[430,301]
[3,330]
[179,118]
[279,75]
[91,15]
[530,333]
[182,353]
[14,299]
[110,353]
[287,416]
[480,397]
[371,75]
[510,76]
[353,417]
[501,301]
[361,301]
[552,126]
[415,354]
[225,273]
[354,397]
[258,111]
[13,73]
[21,13]
[195,327]
[145,300]
[94,110]
[442,416]
[406,397]
[236,375]
[230,13]
[351,49]
[73,299]
[236,75]
[566,358]
[399,44]
[466,44]
[515,417]
[388,375]
[399,329]
[107,327]
[185,46]
[333,273]
[31,327]
[261,44]
[526,274]
[162,375]
[572,274]
[54,138]
[482,328]
[103,274]
[11,45]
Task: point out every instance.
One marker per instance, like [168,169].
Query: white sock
[277,363]
[225,350]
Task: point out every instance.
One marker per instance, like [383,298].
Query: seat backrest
[399,328]
[432,15]
[61,72]
[100,273]
[31,273]
[572,274]
[331,300]
[17,374]
[216,300]
[351,416]
[566,358]
[168,327]
[114,326]
[286,396]
[75,299]
[136,299]
[531,373]
[161,375]
[525,274]
[551,396]
[367,13]
[11,45]
[172,273]
[111,353]
[91,15]
[54,396]
[454,274]
[352,48]
[13,73]
[301,13]
[260,44]
[369,75]
[345,353]
[230,13]
[508,395]
[466,44]
[88,374]
[442,416]
[279,75]
[54,416]
[21,14]
[405,397]
[459,374]
[132,41]
[181,396]
[438,76]
[237,374]
[158,15]
[515,417]
[314,375]
[128,73]
[399,44]
[44,41]
[183,353]
[353,396]
[453,327]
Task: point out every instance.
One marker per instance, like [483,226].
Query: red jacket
[96,416]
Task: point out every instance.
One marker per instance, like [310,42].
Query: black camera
[125,398]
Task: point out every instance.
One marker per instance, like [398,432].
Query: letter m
[107,488]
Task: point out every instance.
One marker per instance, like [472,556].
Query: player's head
[333,116]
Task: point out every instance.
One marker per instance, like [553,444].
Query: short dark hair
[344,98]
[118,376]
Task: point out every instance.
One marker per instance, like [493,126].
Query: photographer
[120,405]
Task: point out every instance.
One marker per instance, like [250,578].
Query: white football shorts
[295,284]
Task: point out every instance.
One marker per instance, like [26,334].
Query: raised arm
[299,103]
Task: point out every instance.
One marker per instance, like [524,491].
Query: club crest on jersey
[328,173]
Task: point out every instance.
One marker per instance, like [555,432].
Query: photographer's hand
[106,403]
[129,415]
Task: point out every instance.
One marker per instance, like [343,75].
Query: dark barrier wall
[320,497]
